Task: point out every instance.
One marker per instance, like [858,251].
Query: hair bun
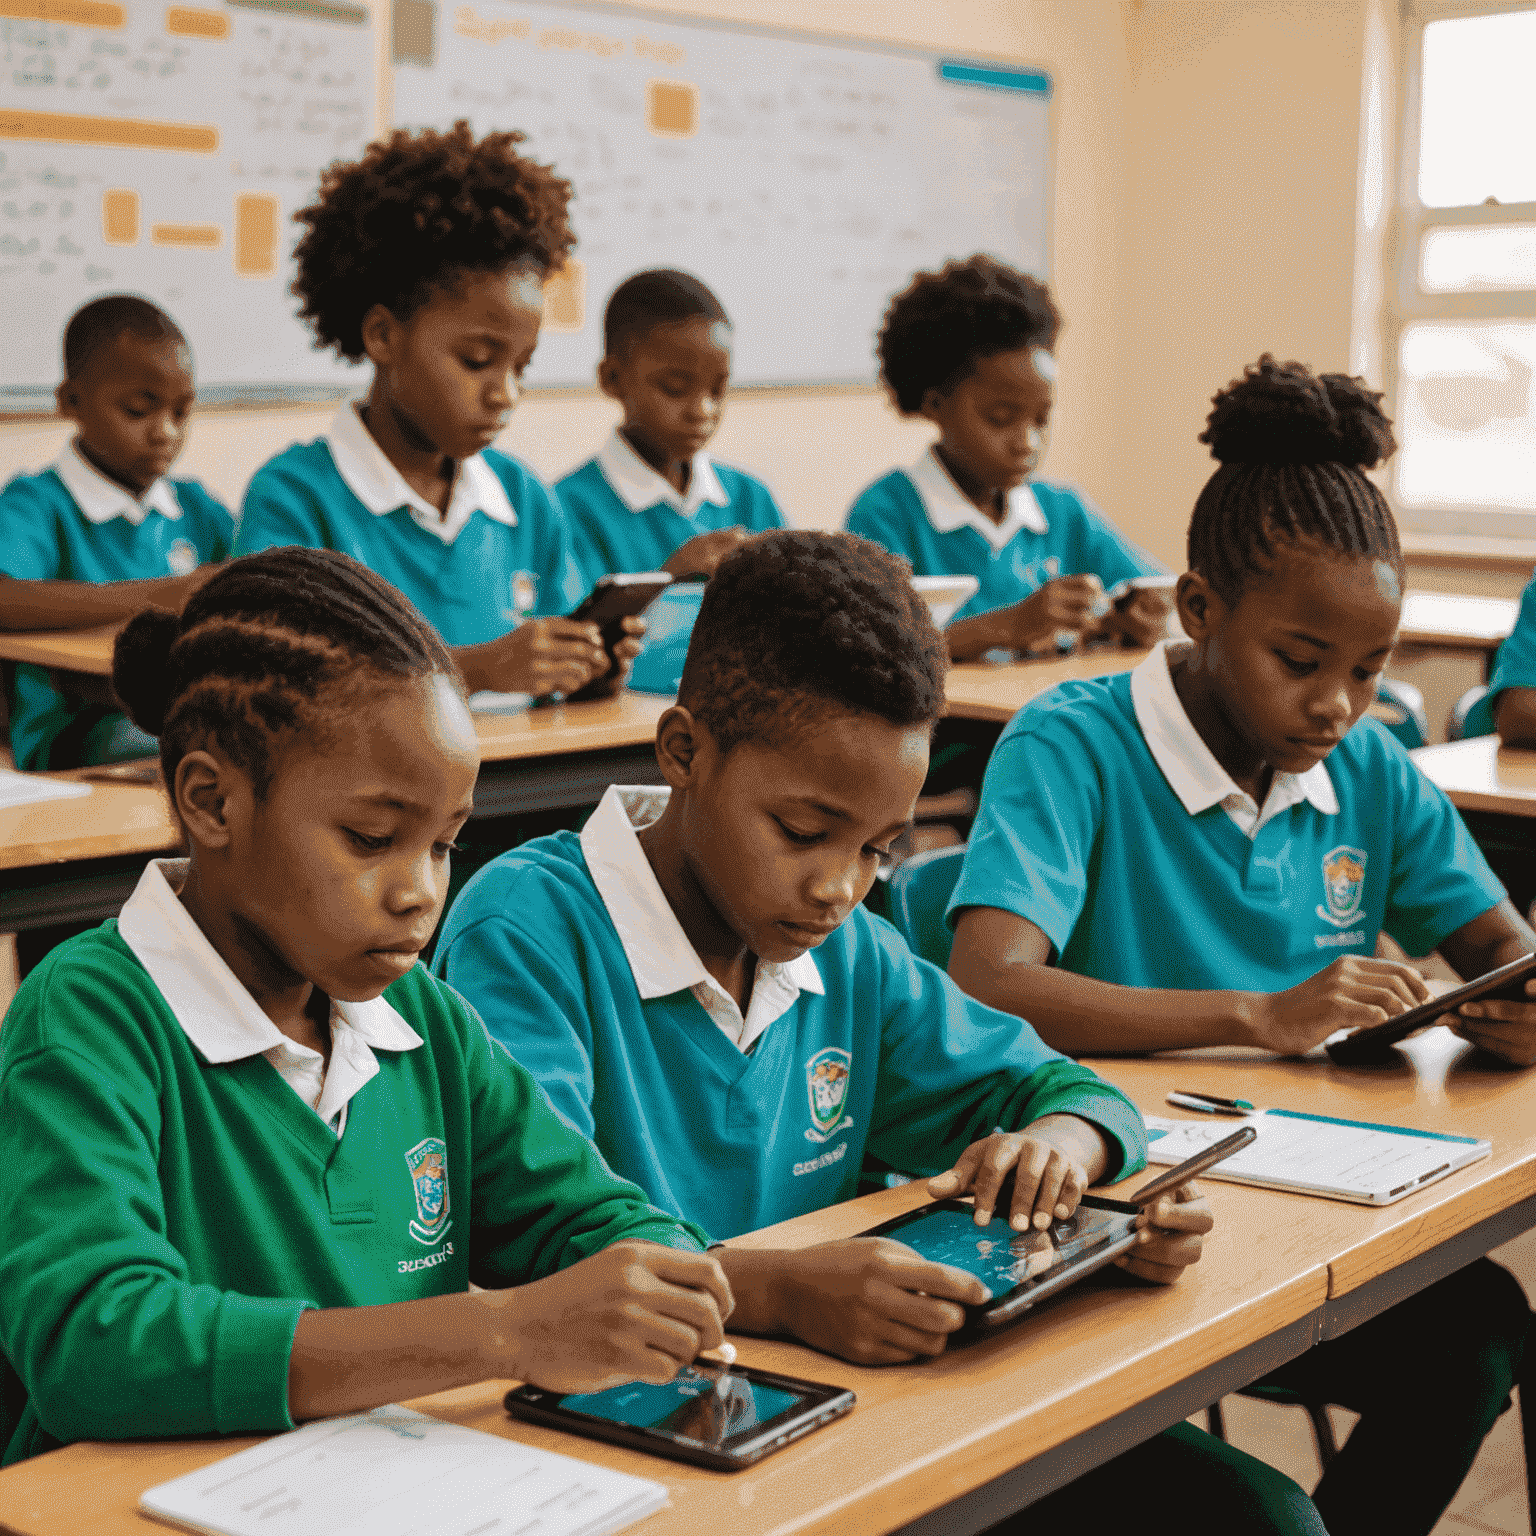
[141,672]
[1283,413]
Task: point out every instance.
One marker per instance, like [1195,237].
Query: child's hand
[1143,620]
[874,1301]
[1506,1029]
[1048,1182]
[1068,602]
[624,653]
[546,656]
[702,553]
[1355,992]
[1172,1234]
[634,1312]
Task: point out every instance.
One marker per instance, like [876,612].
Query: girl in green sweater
[257,1154]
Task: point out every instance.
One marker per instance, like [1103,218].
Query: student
[1509,706]
[102,533]
[257,1153]
[652,498]
[656,975]
[427,257]
[971,348]
[1208,847]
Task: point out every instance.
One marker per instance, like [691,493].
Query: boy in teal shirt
[652,498]
[1509,706]
[971,349]
[694,981]
[103,532]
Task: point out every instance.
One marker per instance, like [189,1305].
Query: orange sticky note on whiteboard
[672,108]
[120,216]
[255,234]
[565,298]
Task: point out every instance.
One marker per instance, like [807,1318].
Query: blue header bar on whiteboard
[1032,81]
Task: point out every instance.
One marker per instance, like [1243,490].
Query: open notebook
[394,1472]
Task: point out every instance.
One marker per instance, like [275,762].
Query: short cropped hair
[1293,447]
[795,624]
[269,647]
[944,323]
[99,323]
[664,296]
[417,214]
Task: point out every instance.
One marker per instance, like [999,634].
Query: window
[1466,279]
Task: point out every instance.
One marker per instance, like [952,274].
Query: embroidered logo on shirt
[428,1162]
[181,557]
[826,1081]
[1343,885]
[523,590]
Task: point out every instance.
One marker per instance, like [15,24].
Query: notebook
[1352,1160]
[395,1472]
[31,788]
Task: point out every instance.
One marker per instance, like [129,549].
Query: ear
[213,798]
[1201,610]
[67,398]
[381,336]
[682,744]
[608,378]
[932,406]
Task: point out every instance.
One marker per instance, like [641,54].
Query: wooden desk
[1452,621]
[1481,774]
[977,691]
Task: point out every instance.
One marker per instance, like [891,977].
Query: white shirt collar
[659,954]
[949,508]
[101,499]
[1190,766]
[381,487]
[222,1019]
[639,487]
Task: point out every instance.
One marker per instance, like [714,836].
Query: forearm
[973,637]
[1082,1016]
[1499,936]
[1515,717]
[351,1359]
[478,666]
[758,1278]
[32,605]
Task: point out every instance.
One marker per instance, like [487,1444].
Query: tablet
[1373,1046]
[1021,1269]
[724,1417]
[615,598]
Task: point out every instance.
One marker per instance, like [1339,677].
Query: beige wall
[819,449]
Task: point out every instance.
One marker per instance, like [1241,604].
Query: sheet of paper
[1308,1152]
[394,1472]
[32,788]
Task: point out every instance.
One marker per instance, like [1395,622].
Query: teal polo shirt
[873,1052]
[626,517]
[1081,831]
[1048,530]
[502,553]
[1514,666]
[70,523]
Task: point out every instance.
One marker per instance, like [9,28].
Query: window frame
[1408,303]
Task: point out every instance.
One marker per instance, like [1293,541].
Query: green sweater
[166,1220]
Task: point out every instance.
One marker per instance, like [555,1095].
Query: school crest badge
[428,1162]
[181,557]
[1343,886]
[826,1081]
[523,589]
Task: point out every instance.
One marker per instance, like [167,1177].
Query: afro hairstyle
[417,214]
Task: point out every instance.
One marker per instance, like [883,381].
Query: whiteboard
[803,179]
[163,150]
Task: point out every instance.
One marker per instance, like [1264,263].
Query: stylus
[1208,1103]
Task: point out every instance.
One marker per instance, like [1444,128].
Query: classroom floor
[1492,1501]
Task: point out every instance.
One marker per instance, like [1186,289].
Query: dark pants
[1181,1480]
[1428,1377]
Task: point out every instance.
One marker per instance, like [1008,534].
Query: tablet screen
[690,1404]
[1000,1257]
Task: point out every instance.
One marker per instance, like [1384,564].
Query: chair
[920,889]
[1322,1425]
[1456,726]
[1400,707]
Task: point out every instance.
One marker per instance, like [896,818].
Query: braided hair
[944,323]
[795,621]
[259,648]
[1293,448]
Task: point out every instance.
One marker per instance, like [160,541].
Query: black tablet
[615,598]
[1373,1046]
[1021,1269]
[725,1417]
